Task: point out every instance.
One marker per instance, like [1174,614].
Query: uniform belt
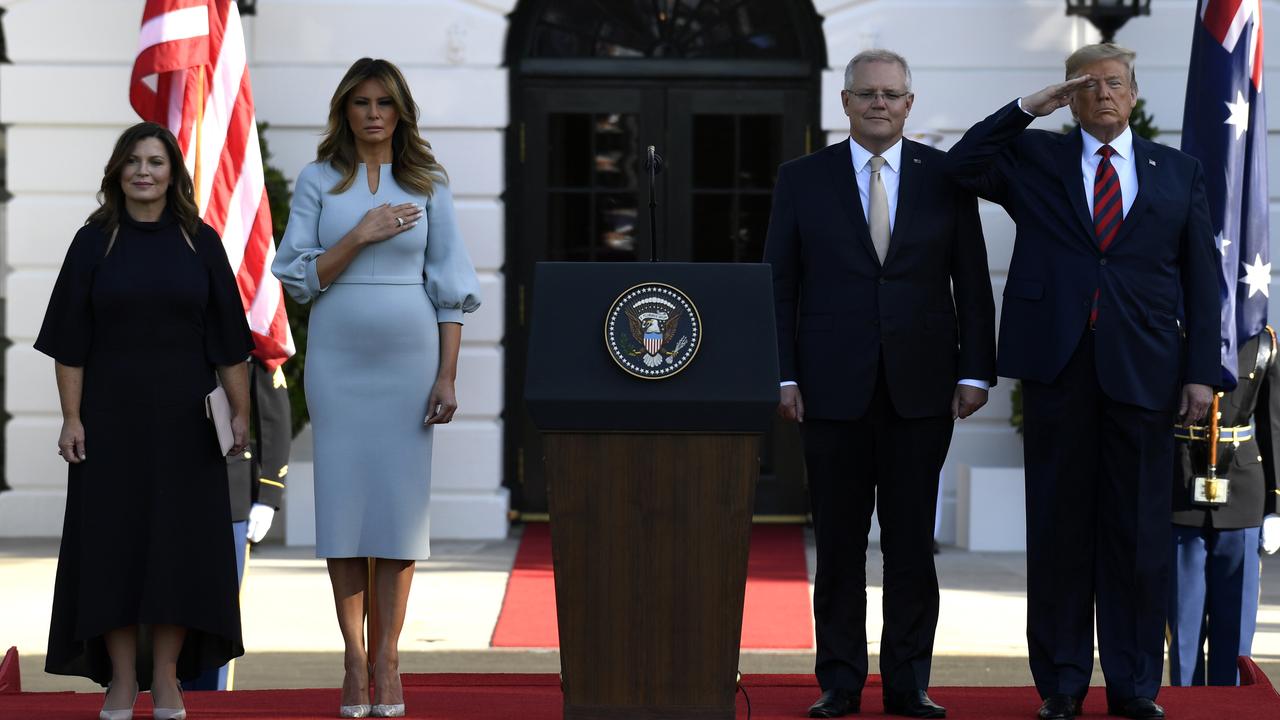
[1200,433]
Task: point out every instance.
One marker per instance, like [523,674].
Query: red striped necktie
[1108,210]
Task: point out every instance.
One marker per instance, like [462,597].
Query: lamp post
[1108,15]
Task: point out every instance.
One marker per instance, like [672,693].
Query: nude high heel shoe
[121,714]
[160,713]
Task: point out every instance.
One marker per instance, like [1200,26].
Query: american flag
[191,75]
[1225,126]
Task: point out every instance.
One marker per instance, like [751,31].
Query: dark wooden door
[582,195]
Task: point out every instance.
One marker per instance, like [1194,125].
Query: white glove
[1271,534]
[260,517]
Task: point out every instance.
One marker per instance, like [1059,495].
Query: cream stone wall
[64,99]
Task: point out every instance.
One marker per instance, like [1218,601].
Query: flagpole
[199,129]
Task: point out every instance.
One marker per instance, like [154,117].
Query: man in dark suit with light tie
[886,325]
[1113,248]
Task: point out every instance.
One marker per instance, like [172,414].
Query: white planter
[990,509]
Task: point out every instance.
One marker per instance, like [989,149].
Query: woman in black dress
[145,310]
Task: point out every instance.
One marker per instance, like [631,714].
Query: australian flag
[1225,126]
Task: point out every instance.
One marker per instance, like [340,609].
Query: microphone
[653,161]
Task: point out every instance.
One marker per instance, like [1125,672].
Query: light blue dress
[373,349]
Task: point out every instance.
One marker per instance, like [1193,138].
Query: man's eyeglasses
[867,96]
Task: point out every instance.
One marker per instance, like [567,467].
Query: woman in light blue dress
[372,240]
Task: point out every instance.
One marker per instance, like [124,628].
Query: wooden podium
[651,485]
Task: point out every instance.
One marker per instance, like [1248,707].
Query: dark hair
[179,198]
[413,164]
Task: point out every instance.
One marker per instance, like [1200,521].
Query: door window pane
[759,150]
[568,226]
[753,223]
[756,29]
[735,162]
[592,171]
[616,150]
[713,227]
[568,150]
[713,154]
[616,216]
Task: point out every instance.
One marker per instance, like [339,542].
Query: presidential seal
[652,331]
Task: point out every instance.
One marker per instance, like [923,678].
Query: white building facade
[64,99]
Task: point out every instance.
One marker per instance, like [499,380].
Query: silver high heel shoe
[357,711]
[383,709]
[121,714]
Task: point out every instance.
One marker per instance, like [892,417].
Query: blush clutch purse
[218,410]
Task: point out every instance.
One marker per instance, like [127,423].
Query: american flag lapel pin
[915,160]
[1153,162]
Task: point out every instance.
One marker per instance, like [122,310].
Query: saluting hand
[387,221]
[1053,97]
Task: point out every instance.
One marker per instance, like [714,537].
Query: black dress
[147,534]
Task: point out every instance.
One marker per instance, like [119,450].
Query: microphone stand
[653,163]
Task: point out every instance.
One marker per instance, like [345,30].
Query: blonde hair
[413,164]
[1090,54]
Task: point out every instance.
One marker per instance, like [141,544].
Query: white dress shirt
[1121,160]
[891,177]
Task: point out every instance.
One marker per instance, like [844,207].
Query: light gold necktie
[878,213]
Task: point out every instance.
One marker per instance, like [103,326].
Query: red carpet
[777,614]
[537,697]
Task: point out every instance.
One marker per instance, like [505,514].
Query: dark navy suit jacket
[928,308]
[1163,259]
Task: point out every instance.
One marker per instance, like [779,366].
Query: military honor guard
[257,479]
[1224,512]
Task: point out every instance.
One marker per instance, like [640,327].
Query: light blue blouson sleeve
[450,277]
[295,263]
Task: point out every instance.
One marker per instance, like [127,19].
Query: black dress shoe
[836,702]
[1059,707]
[913,703]
[1138,708]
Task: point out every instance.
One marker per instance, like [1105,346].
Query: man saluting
[1110,318]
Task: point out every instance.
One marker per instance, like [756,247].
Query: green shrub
[279,196]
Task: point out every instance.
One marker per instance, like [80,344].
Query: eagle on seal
[653,329]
